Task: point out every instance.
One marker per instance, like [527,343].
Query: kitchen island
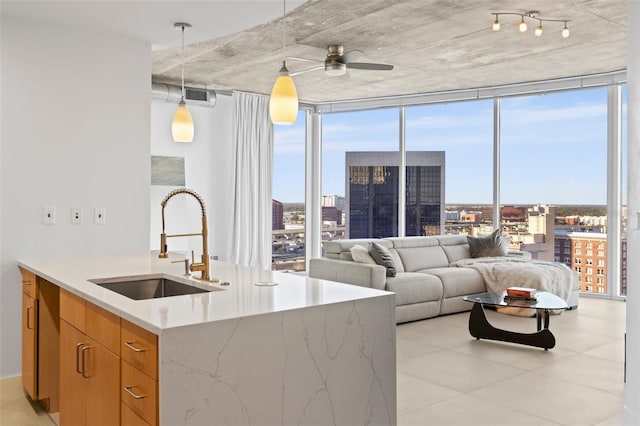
[303,351]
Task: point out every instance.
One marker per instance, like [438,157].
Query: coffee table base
[480,328]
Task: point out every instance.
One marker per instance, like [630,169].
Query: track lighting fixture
[533,15]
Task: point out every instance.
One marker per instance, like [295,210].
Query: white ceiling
[435,45]
[152,21]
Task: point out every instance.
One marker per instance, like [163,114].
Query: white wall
[207,171]
[631,415]
[75,114]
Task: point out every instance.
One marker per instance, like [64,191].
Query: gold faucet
[202,266]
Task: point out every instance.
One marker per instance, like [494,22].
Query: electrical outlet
[99,216]
[76,215]
[49,215]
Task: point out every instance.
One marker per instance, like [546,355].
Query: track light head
[496,24]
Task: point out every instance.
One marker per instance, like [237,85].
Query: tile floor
[446,377]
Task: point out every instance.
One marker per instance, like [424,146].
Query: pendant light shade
[182,124]
[283,104]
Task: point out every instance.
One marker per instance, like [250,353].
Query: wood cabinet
[29,345]
[89,363]
[139,375]
[40,340]
[71,359]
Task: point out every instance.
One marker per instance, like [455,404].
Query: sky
[553,147]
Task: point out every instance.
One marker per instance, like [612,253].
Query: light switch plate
[99,216]
[76,215]
[49,215]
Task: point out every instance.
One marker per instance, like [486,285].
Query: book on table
[522,292]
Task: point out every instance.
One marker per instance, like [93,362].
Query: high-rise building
[586,253]
[333,201]
[277,215]
[372,191]
[331,214]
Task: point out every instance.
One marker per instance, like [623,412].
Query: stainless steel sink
[149,287]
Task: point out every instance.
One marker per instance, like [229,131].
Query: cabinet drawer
[103,327]
[139,392]
[29,283]
[73,310]
[139,348]
[129,418]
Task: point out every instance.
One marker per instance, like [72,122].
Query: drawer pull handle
[133,348]
[26,282]
[78,346]
[128,390]
[29,326]
[85,350]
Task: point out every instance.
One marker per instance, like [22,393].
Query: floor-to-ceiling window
[359,198]
[622,288]
[288,193]
[553,174]
[463,131]
[554,180]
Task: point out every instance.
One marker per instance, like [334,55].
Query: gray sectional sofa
[425,284]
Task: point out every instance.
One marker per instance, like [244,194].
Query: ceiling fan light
[182,125]
[565,31]
[496,25]
[335,68]
[538,31]
[283,103]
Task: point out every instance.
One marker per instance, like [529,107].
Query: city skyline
[553,148]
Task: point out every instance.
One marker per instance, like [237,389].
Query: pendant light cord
[182,92]
[284,32]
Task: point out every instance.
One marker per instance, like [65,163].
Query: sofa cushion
[412,242]
[417,258]
[457,252]
[458,281]
[491,245]
[413,287]
[332,249]
[382,256]
[361,255]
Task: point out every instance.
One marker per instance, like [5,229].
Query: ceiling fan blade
[321,67]
[369,66]
[350,55]
[297,58]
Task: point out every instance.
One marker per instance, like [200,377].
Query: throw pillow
[382,256]
[361,255]
[491,245]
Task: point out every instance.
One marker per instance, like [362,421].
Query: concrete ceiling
[435,45]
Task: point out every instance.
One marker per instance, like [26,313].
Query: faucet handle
[193,259]
[186,266]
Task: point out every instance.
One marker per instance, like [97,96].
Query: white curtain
[250,243]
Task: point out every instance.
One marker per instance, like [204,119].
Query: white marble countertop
[241,298]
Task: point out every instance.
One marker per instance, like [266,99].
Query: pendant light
[283,103]
[182,124]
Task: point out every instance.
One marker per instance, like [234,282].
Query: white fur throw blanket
[502,272]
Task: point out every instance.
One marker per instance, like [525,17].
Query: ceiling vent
[162,92]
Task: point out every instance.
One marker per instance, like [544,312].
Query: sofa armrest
[344,271]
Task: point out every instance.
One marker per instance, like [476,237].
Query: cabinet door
[29,336]
[102,370]
[72,385]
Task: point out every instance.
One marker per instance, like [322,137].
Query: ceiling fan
[338,61]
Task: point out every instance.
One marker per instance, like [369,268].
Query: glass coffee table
[480,328]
